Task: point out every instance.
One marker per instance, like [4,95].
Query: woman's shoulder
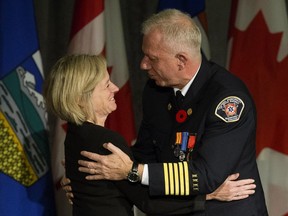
[118,140]
[108,135]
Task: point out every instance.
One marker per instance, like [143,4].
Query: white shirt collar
[185,89]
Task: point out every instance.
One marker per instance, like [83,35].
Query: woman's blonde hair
[69,86]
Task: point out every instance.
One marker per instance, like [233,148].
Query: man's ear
[182,60]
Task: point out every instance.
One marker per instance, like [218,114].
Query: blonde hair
[69,86]
[178,29]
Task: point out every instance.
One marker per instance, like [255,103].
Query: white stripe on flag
[90,39]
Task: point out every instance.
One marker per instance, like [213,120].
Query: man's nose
[145,65]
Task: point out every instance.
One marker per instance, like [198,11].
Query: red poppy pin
[181,116]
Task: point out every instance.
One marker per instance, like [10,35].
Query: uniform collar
[187,86]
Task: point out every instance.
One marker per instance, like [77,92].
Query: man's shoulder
[225,80]
[226,88]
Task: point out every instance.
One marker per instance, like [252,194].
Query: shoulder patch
[230,109]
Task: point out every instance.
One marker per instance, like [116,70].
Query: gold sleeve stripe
[181,179]
[171,177]
[186,172]
[176,174]
[166,178]
[176,179]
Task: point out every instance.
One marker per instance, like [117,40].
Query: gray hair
[178,29]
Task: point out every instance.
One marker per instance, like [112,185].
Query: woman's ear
[80,102]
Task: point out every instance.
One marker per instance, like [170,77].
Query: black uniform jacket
[110,198]
[219,114]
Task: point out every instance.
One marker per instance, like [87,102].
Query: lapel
[194,94]
[196,100]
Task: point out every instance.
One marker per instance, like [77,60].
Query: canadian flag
[258,54]
[96,29]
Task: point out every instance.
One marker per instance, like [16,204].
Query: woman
[79,91]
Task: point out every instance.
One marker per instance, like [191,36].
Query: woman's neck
[98,121]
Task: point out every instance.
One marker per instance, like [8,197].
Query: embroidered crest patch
[230,109]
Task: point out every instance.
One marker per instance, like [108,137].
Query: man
[188,147]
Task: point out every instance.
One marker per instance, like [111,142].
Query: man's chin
[159,83]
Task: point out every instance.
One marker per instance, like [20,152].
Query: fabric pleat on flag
[258,54]
[26,186]
[63,207]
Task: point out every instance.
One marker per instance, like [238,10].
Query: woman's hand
[233,189]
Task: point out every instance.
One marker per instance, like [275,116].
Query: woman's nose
[114,88]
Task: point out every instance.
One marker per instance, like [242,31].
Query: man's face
[159,61]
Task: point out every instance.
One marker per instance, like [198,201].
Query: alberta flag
[25,177]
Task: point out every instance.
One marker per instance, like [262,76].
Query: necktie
[179,98]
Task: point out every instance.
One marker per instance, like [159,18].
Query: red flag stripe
[85,12]
[123,114]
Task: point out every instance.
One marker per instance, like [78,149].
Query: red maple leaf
[254,59]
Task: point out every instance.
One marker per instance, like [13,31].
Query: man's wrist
[140,170]
[133,174]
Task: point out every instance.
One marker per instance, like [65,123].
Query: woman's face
[103,97]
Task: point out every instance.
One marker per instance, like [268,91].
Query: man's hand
[65,185]
[233,190]
[112,167]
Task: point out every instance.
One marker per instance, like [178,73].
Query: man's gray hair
[178,29]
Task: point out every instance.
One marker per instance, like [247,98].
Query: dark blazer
[93,197]
[217,108]
[110,198]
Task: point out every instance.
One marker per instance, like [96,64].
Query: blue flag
[25,177]
[193,7]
